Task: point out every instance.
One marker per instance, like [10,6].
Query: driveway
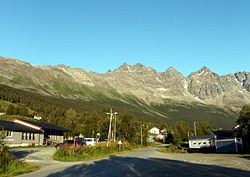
[39,156]
[142,163]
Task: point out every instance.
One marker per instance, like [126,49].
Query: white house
[222,141]
[198,142]
[155,131]
[37,117]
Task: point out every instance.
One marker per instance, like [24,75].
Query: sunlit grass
[12,167]
[91,152]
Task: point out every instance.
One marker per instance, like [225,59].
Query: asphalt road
[141,163]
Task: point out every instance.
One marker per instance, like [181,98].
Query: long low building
[222,141]
[24,133]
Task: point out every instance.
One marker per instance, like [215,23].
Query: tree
[2,136]
[182,129]
[1,108]
[244,127]
[203,128]
[173,137]
[11,110]
[128,128]
[91,124]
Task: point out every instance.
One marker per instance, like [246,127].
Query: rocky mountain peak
[124,67]
[203,72]
[172,72]
[205,69]
[171,69]
[204,84]
[62,66]
[142,68]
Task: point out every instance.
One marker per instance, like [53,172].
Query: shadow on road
[153,167]
[22,153]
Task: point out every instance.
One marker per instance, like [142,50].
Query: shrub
[90,152]
[10,166]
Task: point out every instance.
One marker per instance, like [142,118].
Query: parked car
[71,143]
[90,141]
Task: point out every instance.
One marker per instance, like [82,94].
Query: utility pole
[141,135]
[115,126]
[110,125]
[195,133]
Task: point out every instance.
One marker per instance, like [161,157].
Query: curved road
[142,163]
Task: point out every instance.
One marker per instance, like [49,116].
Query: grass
[91,152]
[247,156]
[172,149]
[12,167]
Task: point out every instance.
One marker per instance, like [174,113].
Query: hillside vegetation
[52,109]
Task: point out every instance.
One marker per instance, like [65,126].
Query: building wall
[40,139]
[37,140]
[56,138]
[228,145]
[201,143]
[17,139]
[154,131]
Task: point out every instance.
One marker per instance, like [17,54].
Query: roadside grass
[172,149]
[12,167]
[91,152]
[247,156]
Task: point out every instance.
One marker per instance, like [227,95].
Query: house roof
[12,126]
[201,137]
[45,126]
[221,134]
[154,128]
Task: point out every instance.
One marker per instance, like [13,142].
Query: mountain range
[165,95]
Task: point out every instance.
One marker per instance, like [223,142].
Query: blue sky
[99,35]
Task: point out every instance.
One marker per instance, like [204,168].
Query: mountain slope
[136,88]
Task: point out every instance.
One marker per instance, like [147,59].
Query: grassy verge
[171,149]
[12,167]
[247,156]
[89,152]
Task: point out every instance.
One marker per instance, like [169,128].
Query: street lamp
[141,133]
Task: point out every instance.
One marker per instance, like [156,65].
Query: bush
[90,152]
[10,166]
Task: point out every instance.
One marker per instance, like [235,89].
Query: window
[194,143]
[9,133]
[28,136]
[23,136]
[204,143]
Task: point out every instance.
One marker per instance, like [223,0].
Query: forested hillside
[55,109]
